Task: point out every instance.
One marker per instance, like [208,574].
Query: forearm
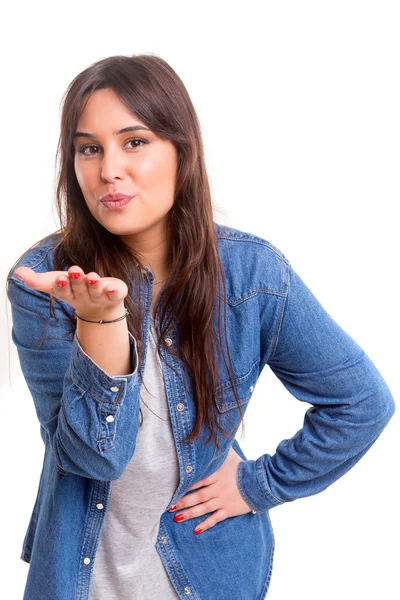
[352,406]
[107,344]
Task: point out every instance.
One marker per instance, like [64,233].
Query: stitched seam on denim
[280,317]
[22,286]
[82,576]
[267,489]
[136,356]
[350,361]
[240,487]
[224,386]
[270,291]
[179,575]
[39,259]
[46,320]
[93,395]
[115,422]
[270,566]
[255,240]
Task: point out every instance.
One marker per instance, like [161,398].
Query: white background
[299,108]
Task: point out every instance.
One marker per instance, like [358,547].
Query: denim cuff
[252,486]
[101,386]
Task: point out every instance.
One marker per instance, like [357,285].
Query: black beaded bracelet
[113,321]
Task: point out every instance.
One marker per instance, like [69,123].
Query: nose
[112,166]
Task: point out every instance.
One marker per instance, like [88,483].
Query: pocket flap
[245,386]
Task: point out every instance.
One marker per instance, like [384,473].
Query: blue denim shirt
[272,319]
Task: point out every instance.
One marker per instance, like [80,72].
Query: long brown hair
[152,90]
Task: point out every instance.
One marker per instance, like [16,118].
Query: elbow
[386,403]
[389,407]
[100,467]
[105,474]
[383,407]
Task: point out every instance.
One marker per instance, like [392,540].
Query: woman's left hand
[220,494]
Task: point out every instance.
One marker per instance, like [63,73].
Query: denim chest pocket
[228,414]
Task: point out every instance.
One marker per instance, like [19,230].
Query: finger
[61,288]
[198,510]
[206,481]
[93,286]
[196,498]
[98,286]
[76,278]
[114,289]
[196,485]
[216,517]
[43,282]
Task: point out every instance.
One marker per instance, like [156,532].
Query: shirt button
[99,506]
[187,590]
[168,341]
[110,418]
[114,388]
[189,469]
[180,406]
[254,512]
[163,539]
[86,561]
[251,388]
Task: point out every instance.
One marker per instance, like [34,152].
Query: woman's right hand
[90,295]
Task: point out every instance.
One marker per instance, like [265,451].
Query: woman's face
[136,163]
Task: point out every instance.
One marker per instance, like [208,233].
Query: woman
[143,299]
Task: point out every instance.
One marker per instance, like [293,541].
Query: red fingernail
[111,291]
[179,517]
[172,507]
[92,280]
[61,283]
[198,530]
[75,275]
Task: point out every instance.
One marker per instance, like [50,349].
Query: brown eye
[82,150]
[137,140]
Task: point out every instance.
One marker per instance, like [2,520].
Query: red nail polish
[179,517]
[198,529]
[75,275]
[172,507]
[92,281]
[61,283]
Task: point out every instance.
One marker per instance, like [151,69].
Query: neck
[151,249]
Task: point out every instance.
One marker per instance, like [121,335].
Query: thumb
[43,282]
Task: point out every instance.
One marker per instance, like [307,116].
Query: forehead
[103,108]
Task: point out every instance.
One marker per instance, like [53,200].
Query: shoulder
[38,257]
[251,263]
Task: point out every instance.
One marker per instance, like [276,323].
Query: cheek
[84,175]
[78,172]
[159,168]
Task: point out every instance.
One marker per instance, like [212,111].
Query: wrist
[102,314]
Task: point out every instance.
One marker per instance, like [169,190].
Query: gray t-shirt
[127,565]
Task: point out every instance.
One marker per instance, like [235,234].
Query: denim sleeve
[89,418]
[320,364]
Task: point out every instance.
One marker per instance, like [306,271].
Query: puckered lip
[114,197]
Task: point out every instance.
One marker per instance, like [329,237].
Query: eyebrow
[124,130]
